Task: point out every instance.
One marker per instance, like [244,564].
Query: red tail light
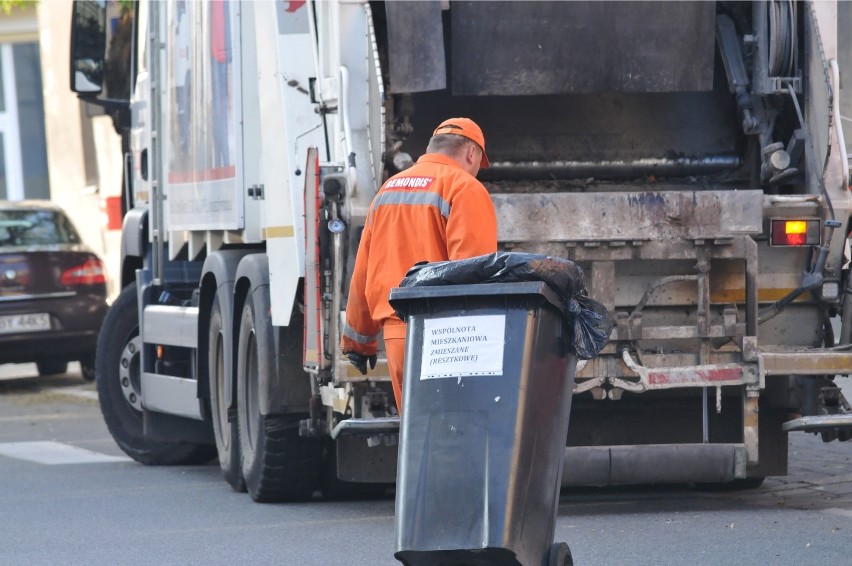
[89,273]
[799,232]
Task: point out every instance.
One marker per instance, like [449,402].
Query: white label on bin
[463,346]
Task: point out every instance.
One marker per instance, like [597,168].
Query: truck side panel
[201,113]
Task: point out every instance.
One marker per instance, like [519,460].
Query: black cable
[810,152]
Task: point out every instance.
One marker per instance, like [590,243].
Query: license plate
[24,323]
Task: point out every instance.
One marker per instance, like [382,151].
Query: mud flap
[358,462]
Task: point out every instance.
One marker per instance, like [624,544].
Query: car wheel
[226,433]
[87,367]
[277,463]
[117,369]
[51,367]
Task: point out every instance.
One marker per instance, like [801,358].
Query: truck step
[817,423]
[366,427]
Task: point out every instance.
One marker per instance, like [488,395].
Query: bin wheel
[560,555]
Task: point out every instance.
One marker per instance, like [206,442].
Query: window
[35,228]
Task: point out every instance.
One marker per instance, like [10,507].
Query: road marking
[52,453]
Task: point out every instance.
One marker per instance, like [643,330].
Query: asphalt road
[69,496]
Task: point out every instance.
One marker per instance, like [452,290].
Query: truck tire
[277,464]
[117,360]
[226,433]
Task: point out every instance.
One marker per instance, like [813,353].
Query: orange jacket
[433,211]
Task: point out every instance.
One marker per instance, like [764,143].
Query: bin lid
[401,297]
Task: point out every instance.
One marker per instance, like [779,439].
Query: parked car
[52,290]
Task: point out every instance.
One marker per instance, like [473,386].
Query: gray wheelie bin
[486,397]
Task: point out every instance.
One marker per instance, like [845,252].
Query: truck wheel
[226,433]
[117,374]
[277,464]
[560,555]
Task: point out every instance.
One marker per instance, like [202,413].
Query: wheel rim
[221,423]
[129,373]
[251,392]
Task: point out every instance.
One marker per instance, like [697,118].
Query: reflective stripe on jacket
[433,211]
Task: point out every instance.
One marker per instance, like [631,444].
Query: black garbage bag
[591,326]
[588,320]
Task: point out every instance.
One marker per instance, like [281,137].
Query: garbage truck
[689,156]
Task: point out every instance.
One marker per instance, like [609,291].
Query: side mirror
[88,46]
[102,50]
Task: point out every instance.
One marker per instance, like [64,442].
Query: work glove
[360,361]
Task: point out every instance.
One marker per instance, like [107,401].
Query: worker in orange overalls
[434,211]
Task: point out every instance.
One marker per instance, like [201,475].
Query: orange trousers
[395,351]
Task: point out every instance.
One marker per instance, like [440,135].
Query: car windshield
[22,228]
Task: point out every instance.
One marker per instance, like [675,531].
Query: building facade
[23,145]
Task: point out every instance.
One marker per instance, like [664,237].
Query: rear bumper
[75,321]
[802,361]
[753,372]
[36,346]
